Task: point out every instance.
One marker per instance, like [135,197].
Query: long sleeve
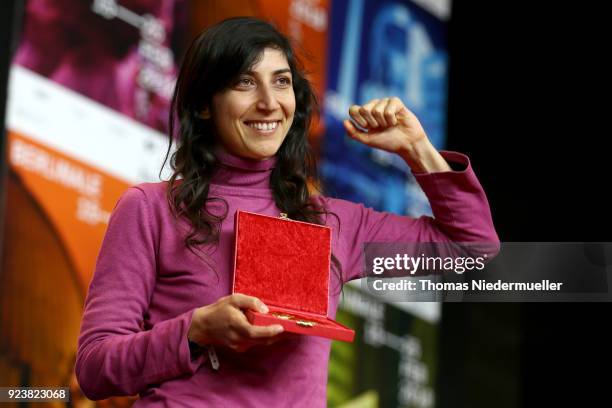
[460,209]
[116,356]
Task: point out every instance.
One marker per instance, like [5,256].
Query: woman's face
[252,116]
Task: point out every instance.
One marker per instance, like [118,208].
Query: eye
[284,81]
[244,82]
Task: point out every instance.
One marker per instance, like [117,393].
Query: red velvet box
[286,265]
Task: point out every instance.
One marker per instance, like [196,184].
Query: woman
[159,319]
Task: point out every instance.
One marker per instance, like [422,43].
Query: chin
[263,153]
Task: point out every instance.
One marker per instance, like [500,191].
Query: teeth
[265,126]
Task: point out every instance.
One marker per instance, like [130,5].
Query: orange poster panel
[76,198]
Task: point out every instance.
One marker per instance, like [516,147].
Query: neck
[236,171]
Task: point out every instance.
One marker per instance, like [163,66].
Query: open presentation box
[286,264]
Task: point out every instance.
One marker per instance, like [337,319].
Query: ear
[205,114]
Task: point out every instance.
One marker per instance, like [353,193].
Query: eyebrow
[278,71]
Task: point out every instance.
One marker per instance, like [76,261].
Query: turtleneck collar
[244,174]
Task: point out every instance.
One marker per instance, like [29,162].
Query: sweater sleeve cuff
[440,185]
[461,169]
[188,363]
[458,162]
[177,329]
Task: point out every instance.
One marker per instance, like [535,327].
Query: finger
[248,302]
[355,133]
[378,111]
[274,339]
[404,114]
[243,330]
[354,112]
[243,345]
[238,324]
[366,112]
[393,107]
[263,332]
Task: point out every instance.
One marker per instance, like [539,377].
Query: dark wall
[10,11]
[527,103]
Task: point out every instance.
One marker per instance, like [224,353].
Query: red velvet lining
[282,262]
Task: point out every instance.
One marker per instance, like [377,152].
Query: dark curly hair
[215,59]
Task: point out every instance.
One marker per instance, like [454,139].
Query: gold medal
[305,323]
[302,323]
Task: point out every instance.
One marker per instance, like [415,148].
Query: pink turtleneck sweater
[146,286]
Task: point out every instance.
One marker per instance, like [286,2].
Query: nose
[267,99]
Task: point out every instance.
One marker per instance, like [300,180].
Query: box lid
[283,262]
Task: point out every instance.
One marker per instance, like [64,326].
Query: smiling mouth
[265,127]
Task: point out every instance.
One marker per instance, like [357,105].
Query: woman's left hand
[390,125]
[394,128]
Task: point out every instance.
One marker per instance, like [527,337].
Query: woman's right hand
[224,323]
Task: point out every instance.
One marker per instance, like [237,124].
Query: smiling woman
[160,319]
[253,116]
[241,93]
